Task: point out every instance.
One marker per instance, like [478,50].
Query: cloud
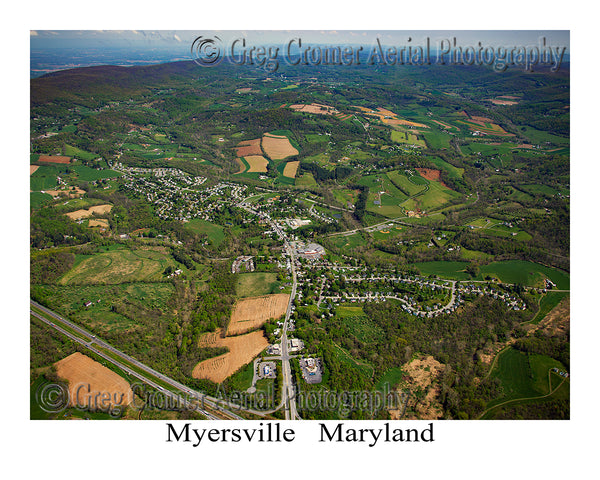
[176,37]
[33,33]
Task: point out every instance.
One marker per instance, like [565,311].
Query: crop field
[291,169]
[100,209]
[119,266]
[251,313]
[317,108]
[54,159]
[242,350]
[81,371]
[526,273]
[257,163]
[436,196]
[256,284]
[277,147]
[249,147]
[405,184]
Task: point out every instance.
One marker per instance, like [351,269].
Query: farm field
[119,266]
[81,371]
[54,159]
[277,147]
[257,163]
[242,350]
[290,169]
[100,209]
[524,377]
[251,313]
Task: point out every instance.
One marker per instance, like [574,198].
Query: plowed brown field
[91,382]
[251,313]
[242,349]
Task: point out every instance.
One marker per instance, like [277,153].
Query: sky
[176,39]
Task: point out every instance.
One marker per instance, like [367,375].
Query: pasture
[216,233]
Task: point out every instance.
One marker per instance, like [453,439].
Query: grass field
[75,152]
[451,170]
[70,299]
[525,376]
[507,271]
[257,284]
[390,378]
[216,233]
[547,303]
[406,137]
[90,174]
[306,180]
[37,199]
[119,266]
[403,183]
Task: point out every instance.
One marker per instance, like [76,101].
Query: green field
[525,377]
[451,170]
[216,233]
[118,266]
[101,316]
[256,284]
[436,196]
[401,181]
[525,273]
[306,180]
[547,303]
[391,378]
[406,137]
[44,178]
[37,199]
[75,152]
[90,174]
[507,271]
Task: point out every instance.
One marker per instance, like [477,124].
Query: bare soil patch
[278,148]
[249,147]
[317,108]
[290,169]
[54,159]
[242,350]
[33,168]
[251,313]
[423,375]
[102,222]
[87,378]
[70,193]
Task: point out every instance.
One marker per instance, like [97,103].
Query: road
[147,374]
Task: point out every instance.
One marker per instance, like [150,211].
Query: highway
[148,374]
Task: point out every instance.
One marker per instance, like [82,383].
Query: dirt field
[423,373]
[314,108]
[499,101]
[242,349]
[251,313]
[249,147]
[102,222]
[33,168]
[290,169]
[77,214]
[81,371]
[277,147]
[54,159]
[257,163]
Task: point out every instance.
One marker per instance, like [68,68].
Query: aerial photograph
[299,225]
